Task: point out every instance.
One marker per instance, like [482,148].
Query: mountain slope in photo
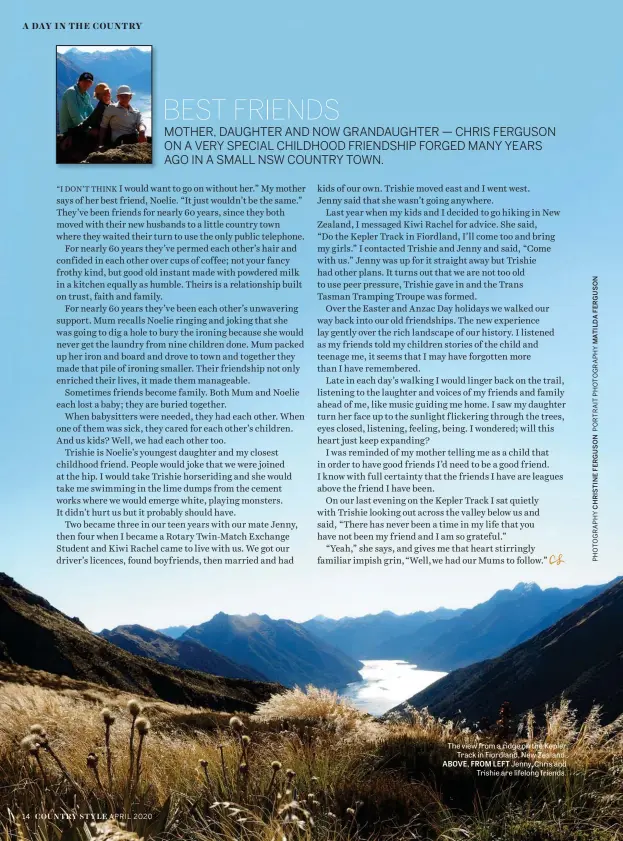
[186,654]
[489,628]
[282,650]
[580,657]
[33,633]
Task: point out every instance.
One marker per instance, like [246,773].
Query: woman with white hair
[125,123]
[103,95]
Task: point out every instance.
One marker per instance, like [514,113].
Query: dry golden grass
[320,709]
[74,724]
[306,765]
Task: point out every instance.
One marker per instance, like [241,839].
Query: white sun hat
[124,89]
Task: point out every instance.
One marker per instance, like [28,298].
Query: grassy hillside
[35,634]
[305,767]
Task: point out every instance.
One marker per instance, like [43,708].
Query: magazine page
[310,444]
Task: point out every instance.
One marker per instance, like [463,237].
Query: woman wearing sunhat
[125,123]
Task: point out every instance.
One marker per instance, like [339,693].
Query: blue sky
[451,64]
[93,48]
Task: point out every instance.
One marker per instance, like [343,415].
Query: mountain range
[186,654]
[545,642]
[365,637]
[36,635]
[580,656]
[489,628]
[115,67]
[438,640]
[443,639]
[244,646]
[282,650]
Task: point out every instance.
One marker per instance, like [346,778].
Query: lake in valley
[387,683]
